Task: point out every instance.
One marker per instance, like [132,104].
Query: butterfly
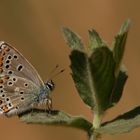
[21,87]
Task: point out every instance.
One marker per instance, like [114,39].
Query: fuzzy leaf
[55,117]
[94,76]
[94,73]
[102,68]
[118,87]
[123,123]
[119,44]
[73,40]
[95,40]
[80,74]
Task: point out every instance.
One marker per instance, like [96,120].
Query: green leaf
[81,77]
[102,68]
[94,76]
[97,75]
[55,117]
[95,40]
[118,87]
[125,27]
[123,123]
[73,40]
[119,44]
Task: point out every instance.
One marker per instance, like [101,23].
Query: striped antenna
[53,74]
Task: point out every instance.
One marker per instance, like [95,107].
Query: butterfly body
[20,85]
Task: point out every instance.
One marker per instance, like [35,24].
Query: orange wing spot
[5,108]
[7,49]
[1,81]
[1,70]
[1,102]
[1,63]
[3,53]
[6,77]
[1,58]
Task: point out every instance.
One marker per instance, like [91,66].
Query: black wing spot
[21,92]
[1,86]
[15,56]
[7,61]
[9,57]
[17,107]
[7,99]
[10,72]
[14,79]
[10,83]
[25,84]
[3,95]
[1,91]
[10,105]
[7,66]
[19,67]
[22,98]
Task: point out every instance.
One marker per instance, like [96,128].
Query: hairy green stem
[97,120]
[96,124]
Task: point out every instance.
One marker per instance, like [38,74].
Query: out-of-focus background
[34,28]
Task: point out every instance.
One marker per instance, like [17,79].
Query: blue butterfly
[21,87]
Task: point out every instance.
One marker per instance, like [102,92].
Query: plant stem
[96,124]
[97,120]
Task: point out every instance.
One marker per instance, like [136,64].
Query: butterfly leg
[49,104]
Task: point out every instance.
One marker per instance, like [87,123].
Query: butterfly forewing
[20,83]
[13,62]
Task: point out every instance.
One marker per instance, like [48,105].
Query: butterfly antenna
[53,74]
[53,70]
[56,74]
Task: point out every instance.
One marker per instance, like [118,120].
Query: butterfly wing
[17,95]
[13,62]
[20,83]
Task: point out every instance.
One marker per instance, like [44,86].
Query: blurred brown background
[34,28]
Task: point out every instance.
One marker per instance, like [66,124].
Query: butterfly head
[50,85]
